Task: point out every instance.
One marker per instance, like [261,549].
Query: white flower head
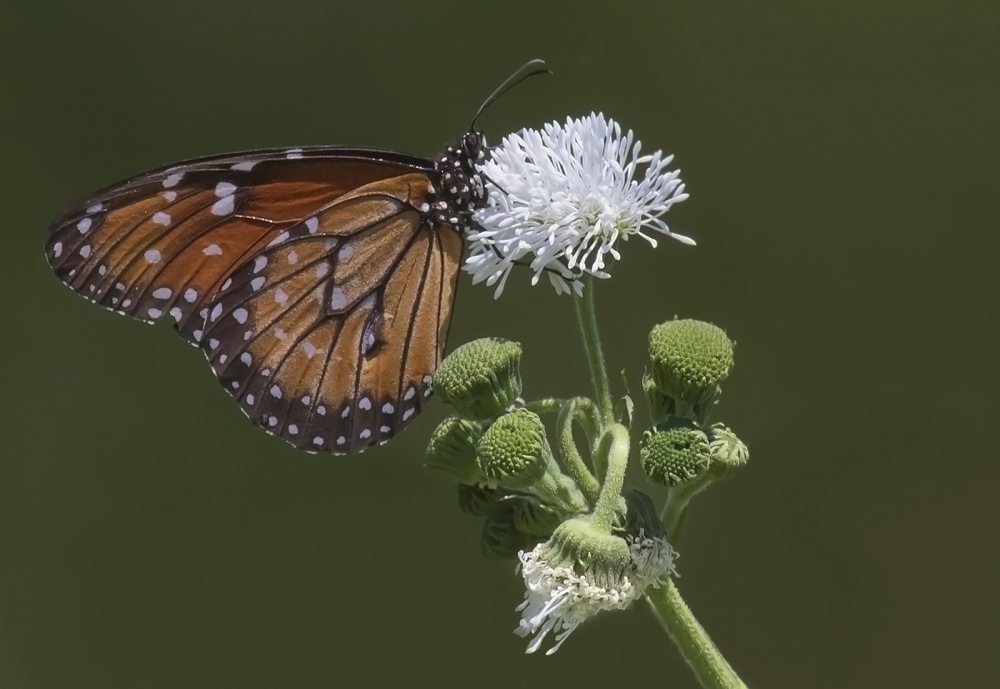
[558,598]
[563,198]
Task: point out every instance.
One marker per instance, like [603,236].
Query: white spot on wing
[190,295]
[250,399]
[246,358]
[258,282]
[240,315]
[172,180]
[347,412]
[365,433]
[276,392]
[244,166]
[312,224]
[177,314]
[57,249]
[212,250]
[213,343]
[162,293]
[341,440]
[279,333]
[161,218]
[317,440]
[322,269]
[280,297]
[102,269]
[272,421]
[259,263]
[309,348]
[96,208]
[321,410]
[293,153]
[410,392]
[338,299]
[216,312]
[306,400]
[223,206]
[85,250]
[345,252]
[84,225]
[364,404]
[152,256]
[387,408]
[154,313]
[169,196]
[223,189]
[292,429]
[279,239]
[407,413]
[293,257]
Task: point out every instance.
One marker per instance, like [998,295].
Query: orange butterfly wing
[315,281]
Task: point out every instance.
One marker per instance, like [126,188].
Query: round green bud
[452,448]
[480,379]
[535,518]
[514,451]
[674,452]
[480,501]
[690,359]
[500,540]
[728,453]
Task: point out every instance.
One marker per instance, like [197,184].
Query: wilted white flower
[558,598]
[563,197]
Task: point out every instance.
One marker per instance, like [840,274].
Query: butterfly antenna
[528,69]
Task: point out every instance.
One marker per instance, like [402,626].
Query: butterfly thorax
[459,188]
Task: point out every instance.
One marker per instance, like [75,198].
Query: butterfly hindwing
[329,340]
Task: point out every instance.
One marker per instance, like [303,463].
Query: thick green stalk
[613,451]
[697,649]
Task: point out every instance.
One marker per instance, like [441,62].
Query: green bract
[480,379]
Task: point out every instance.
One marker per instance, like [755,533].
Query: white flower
[563,197]
[558,598]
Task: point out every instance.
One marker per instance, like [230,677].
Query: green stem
[613,450]
[697,649]
[677,502]
[587,318]
[548,405]
[577,409]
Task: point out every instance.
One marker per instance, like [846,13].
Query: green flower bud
[674,452]
[452,448]
[728,453]
[577,545]
[481,502]
[500,540]
[480,379]
[514,451]
[690,359]
[535,518]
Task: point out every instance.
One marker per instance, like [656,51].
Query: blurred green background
[842,160]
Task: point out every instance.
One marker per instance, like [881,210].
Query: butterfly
[319,282]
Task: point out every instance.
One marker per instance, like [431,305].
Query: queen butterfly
[319,282]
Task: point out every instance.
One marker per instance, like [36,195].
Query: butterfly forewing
[163,242]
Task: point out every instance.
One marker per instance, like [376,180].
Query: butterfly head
[459,188]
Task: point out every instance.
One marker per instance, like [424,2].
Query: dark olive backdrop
[842,164]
